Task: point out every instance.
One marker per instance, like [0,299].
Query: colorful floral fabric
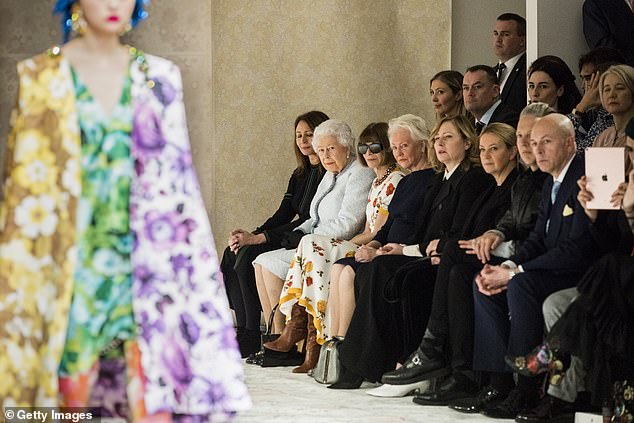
[187,346]
[101,308]
[37,232]
[308,279]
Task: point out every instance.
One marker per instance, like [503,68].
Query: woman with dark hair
[375,338]
[552,82]
[445,89]
[245,246]
[307,285]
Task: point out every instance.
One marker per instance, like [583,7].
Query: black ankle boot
[425,363]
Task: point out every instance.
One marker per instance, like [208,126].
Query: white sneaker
[393,391]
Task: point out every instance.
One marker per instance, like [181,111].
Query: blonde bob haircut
[467,132]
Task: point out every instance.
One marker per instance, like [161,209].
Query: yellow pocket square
[568,211]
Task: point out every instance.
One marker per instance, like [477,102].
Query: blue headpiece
[64,7]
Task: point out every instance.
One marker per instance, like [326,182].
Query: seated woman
[596,329]
[409,141]
[446,347]
[245,246]
[337,209]
[552,82]
[308,280]
[616,90]
[374,340]
[445,89]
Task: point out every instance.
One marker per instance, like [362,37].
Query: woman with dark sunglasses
[409,140]
[307,283]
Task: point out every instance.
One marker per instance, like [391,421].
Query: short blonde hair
[465,128]
[625,72]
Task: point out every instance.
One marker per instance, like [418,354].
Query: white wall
[558,30]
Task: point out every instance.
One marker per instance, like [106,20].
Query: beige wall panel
[357,60]
[249,67]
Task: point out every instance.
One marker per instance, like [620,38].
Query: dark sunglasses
[375,147]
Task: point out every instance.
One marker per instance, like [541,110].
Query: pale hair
[338,129]
[538,109]
[416,126]
[624,72]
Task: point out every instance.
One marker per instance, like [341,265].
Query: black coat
[295,206]
[567,247]
[519,220]
[448,204]
[514,94]
[609,23]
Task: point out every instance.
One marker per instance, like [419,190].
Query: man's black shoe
[488,396]
[516,402]
[549,410]
[453,388]
[418,367]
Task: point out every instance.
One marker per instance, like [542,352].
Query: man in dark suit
[509,45]
[508,298]
[481,94]
[609,23]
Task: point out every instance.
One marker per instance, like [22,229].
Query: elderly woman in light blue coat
[337,209]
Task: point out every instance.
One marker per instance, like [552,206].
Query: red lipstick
[113,18]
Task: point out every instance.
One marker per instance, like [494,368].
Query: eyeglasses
[375,147]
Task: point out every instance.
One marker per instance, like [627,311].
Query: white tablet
[605,170]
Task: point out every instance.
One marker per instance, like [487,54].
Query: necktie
[479,126]
[553,196]
[500,71]
[554,191]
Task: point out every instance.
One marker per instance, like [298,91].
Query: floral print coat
[185,331]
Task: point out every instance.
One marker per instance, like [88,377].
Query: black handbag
[270,358]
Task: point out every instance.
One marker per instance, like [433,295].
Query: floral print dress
[103,214]
[308,279]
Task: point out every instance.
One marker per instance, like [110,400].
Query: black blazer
[519,220]
[447,205]
[295,206]
[567,247]
[609,23]
[486,211]
[514,93]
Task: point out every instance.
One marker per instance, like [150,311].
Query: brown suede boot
[312,349]
[294,331]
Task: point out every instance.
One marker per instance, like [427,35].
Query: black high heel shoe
[347,380]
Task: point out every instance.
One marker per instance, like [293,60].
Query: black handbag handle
[269,327]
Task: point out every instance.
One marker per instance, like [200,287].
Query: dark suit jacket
[514,94]
[609,23]
[504,114]
[448,204]
[567,247]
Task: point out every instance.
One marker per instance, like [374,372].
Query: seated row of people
[466,209]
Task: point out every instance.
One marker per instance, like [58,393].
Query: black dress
[598,327]
[403,210]
[373,343]
[238,270]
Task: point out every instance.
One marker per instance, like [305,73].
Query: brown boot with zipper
[294,331]
[312,349]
